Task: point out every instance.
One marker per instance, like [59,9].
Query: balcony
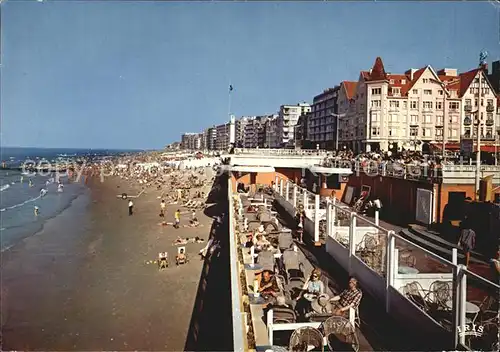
[490,122]
[490,108]
[467,121]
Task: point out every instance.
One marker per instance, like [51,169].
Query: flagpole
[229,101]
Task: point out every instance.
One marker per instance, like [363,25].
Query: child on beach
[177,217]
[130,207]
[163,205]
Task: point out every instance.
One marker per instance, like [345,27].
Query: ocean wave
[4,187]
[20,204]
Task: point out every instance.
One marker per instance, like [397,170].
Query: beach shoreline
[83,283]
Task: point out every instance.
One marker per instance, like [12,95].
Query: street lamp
[337,116]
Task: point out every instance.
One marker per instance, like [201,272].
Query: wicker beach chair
[340,334]
[265,259]
[294,269]
[285,241]
[306,339]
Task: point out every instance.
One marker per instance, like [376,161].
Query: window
[394,103]
[427,118]
[440,92]
[453,133]
[376,91]
[413,105]
[413,132]
[396,91]
[489,133]
[427,104]
[453,105]
[425,80]
[403,81]
[414,119]
[467,132]
[415,91]
[440,120]
[375,118]
[439,132]
[489,102]
[489,116]
[426,132]
[439,105]
[405,104]
[468,102]
[427,91]
[375,103]
[391,81]
[403,132]
[375,131]
[390,132]
[393,118]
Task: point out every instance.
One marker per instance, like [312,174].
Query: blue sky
[136,75]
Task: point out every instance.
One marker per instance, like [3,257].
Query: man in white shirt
[130,207]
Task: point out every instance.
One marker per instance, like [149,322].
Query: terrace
[415,286]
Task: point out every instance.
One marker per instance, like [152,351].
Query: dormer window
[425,80]
[391,81]
[403,81]
[396,91]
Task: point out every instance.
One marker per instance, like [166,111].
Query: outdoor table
[470,308]
[407,270]
[271,348]
[252,299]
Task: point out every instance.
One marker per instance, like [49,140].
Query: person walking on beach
[37,211]
[130,207]
[163,205]
[467,240]
[177,217]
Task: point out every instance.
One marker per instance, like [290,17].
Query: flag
[230,87]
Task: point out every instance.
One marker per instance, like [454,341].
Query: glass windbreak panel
[341,221]
[481,309]
[370,245]
[426,280]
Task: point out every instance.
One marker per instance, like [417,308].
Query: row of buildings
[380,111]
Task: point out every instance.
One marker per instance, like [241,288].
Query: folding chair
[162,260]
[285,241]
[293,267]
[181,257]
[266,260]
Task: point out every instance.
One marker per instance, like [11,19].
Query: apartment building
[222,140]
[288,117]
[191,141]
[322,121]
[416,110]
[270,133]
[209,138]
[494,76]
[301,131]
[240,128]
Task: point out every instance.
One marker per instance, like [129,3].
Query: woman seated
[268,286]
[312,288]
[259,241]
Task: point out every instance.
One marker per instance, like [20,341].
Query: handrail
[238,326]
[480,278]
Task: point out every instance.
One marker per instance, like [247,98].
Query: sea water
[18,199]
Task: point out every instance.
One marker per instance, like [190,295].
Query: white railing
[382,283]
[266,151]
[239,325]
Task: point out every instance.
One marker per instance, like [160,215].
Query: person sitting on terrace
[349,298]
[268,286]
[312,288]
[259,241]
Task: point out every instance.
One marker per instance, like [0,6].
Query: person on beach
[177,217]
[467,240]
[163,205]
[36,210]
[130,207]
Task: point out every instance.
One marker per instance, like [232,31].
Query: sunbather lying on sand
[181,241]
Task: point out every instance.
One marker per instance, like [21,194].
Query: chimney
[411,73]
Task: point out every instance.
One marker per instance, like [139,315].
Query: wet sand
[83,284]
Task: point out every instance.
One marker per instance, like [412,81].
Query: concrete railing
[239,323]
[384,280]
[265,151]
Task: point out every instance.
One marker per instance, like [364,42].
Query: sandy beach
[83,283]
